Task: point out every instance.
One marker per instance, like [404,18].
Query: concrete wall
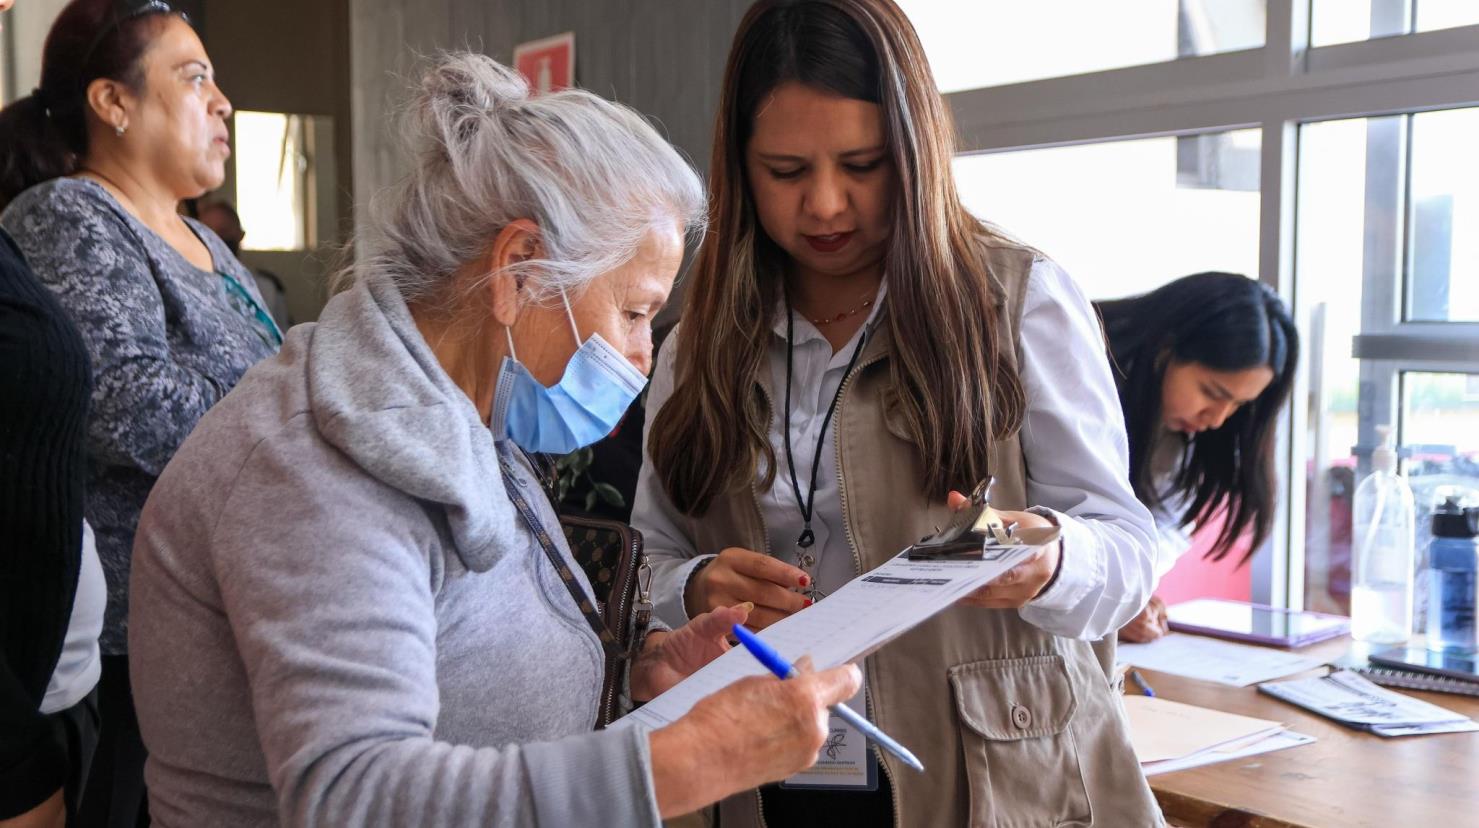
[663,57]
[353,60]
[25,29]
[291,56]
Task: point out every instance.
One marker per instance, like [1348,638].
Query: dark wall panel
[663,57]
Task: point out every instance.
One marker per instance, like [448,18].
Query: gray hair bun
[593,175]
[461,92]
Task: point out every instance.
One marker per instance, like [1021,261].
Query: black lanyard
[586,606]
[807,538]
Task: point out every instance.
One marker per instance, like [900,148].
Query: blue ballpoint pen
[778,665]
[1141,683]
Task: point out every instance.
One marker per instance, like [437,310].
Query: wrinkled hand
[1150,624]
[669,657]
[756,730]
[739,575]
[1015,587]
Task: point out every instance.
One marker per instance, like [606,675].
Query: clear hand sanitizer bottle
[1383,550]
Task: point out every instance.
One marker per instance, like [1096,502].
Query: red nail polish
[809,602]
[805,580]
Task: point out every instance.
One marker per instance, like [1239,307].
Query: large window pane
[1443,262]
[1386,210]
[1347,21]
[1440,436]
[1329,262]
[992,42]
[1127,216]
[272,180]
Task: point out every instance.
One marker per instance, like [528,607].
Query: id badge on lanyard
[844,763]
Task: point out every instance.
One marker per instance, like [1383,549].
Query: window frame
[1276,89]
[7,64]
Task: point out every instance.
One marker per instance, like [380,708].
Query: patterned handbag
[610,552]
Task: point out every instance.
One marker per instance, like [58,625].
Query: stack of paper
[1355,702]
[1171,736]
[862,616]
[1208,659]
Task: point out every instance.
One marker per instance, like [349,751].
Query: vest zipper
[883,768]
[870,698]
[852,545]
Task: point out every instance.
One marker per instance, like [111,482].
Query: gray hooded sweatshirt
[339,618]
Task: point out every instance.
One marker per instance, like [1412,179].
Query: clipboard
[976,531]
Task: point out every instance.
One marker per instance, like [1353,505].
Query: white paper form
[1208,659]
[1352,700]
[1162,729]
[864,614]
[1266,744]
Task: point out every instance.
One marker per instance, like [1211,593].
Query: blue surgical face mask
[598,387]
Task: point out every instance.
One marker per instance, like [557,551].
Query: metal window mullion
[1409,51]
[1285,79]
[1403,366]
[1377,405]
[7,65]
[1382,253]
[1454,343]
[990,122]
[1277,567]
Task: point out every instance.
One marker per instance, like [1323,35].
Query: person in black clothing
[44,388]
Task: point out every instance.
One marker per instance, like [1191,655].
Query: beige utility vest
[1016,726]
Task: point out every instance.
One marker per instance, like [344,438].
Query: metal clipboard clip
[976,529]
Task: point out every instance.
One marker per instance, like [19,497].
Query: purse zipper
[643,614]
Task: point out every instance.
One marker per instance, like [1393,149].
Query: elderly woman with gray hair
[347,606]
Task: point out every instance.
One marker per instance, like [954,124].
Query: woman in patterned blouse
[127,123]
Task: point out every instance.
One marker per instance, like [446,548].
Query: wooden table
[1346,778]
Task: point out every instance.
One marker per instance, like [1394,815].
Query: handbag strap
[567,575]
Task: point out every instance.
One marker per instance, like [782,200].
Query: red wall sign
[549,64]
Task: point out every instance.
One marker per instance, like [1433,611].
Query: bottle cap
[1384,458]
[1452,520]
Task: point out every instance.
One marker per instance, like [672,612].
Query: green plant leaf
[609,494]
[582,462]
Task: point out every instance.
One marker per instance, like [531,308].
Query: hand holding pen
[755,731]
[778,665]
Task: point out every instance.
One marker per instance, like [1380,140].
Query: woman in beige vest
[854,347]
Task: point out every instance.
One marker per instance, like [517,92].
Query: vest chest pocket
[1021,762]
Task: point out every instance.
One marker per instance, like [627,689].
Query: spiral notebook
[1406,679]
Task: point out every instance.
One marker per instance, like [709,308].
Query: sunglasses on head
[124,11]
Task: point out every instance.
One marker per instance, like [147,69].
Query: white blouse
[1073,441]
[1172,539]
[80,665]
